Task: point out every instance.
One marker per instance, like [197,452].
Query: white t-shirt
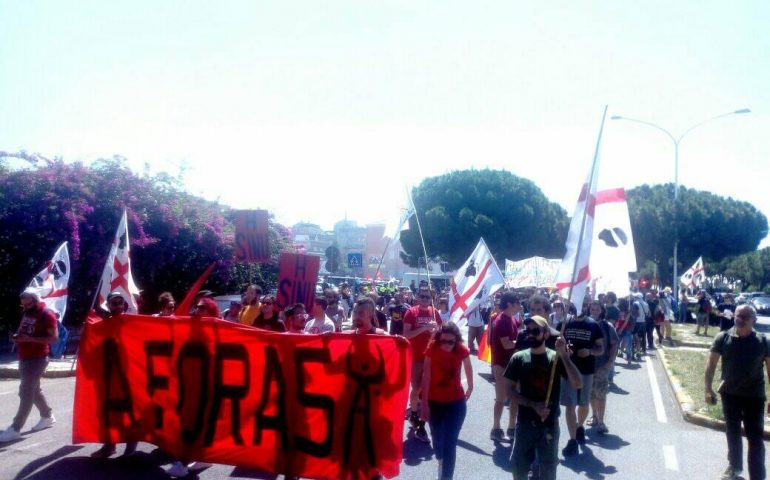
[316,326]
[474,318]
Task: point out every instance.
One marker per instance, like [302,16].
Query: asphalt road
[648,439]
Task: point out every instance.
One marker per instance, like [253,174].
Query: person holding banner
[250,308]
[420,322]
[444,401]
[364,321]
[36,332]
[268,316]
[320,323]
[117,306]
[296,318]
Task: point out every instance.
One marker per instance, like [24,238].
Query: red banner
[252,241]
[297,280]
[328,406]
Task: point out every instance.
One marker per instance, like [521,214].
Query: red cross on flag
[474,282]
[117,271]
[51,283]
[695,275]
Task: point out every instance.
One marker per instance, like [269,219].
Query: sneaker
[421,435]
[580,435]
[177,470]
[570,449]
[105,451]
[511,434]
[44,423]
[731,473]
[414,419]
[497,435]
[9,435]
[592,421]
[602,428]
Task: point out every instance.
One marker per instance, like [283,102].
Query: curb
[12,372]
[685,403]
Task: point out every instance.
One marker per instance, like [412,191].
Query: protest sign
[252,241]
[297,279]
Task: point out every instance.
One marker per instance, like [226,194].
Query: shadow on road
[472,448]
[415,451]
[607,441]
[501,456]
[614,388]
[32,466]
[78,468]
[588,465]
[241,472]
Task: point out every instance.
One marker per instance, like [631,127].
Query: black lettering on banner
[300,265]
[157,348]
[193,350]
[282,298]
[364,380]
[113,367]
[273,373]
[236,393]
[304,355]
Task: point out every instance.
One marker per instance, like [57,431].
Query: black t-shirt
[613,314]
[532,373]
[396,314]
[726,322]
[581,334]
[742,363]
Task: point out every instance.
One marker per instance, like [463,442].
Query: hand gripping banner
[329,406]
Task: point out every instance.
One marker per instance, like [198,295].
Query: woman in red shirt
[445,409]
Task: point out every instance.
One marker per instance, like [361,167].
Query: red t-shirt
[502,326]
[445,385]
[416,318]
[36,324]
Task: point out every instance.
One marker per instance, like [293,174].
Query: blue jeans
[751,411]
[627,342]
[446,419]
[535,438]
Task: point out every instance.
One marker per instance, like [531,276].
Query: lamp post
[677,141]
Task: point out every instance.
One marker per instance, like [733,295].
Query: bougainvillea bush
[173,235]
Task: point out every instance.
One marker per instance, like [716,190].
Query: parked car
[761,305]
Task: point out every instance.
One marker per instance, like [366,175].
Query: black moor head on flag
[471,270]
[613,238]
[122,241]
[59,269]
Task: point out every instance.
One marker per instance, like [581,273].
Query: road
[648,439]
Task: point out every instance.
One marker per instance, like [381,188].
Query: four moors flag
[51,283]
[695,276]
[117,270]
[478,278]
[574,273]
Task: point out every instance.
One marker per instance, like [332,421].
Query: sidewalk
[57,368]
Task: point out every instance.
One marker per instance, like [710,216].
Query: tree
[708,225]
[753,269]
[512,215]
[173,235]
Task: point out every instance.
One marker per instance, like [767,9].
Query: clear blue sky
[316,110]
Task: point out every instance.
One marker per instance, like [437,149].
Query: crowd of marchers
[546,355]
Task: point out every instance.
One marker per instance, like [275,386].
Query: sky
[319,111]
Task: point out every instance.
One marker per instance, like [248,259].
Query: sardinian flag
[407,212]
[51,283]
[695,276]
[574,272]
[117,271]
[612,254]
[474,282]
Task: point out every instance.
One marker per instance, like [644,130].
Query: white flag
[612,254]
[574,272]
[51,283]
[474,282]
[695,276]
[117,271]
[403,221]
[531,272]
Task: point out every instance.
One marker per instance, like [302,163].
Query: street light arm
[735,112]
[649,124]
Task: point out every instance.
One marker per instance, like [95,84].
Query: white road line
[669,458]
[8,393]
[660,412]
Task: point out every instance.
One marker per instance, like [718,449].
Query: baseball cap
[542,323]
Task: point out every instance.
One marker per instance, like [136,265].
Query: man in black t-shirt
[396,311]
[744,353]
[537,429]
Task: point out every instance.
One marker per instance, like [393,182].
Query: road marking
[669,458]
[660,412]
[8,393]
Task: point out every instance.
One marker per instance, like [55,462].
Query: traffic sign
[355,260]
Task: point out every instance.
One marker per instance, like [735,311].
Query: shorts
[569,397]
[702,318]
[601,382]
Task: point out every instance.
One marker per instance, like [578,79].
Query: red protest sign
[252,241]
[297,280]
[327,406]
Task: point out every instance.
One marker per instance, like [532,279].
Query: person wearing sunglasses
[268,316]
[420,322]
[446,407]
[537,430]
[744,353]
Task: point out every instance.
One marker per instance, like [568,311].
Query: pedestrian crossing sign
[355,260]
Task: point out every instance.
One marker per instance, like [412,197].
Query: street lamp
[677,141]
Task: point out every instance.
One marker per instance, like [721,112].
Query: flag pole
[382,258]
[577,252]
[424,250]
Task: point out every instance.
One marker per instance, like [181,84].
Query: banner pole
[424,250]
